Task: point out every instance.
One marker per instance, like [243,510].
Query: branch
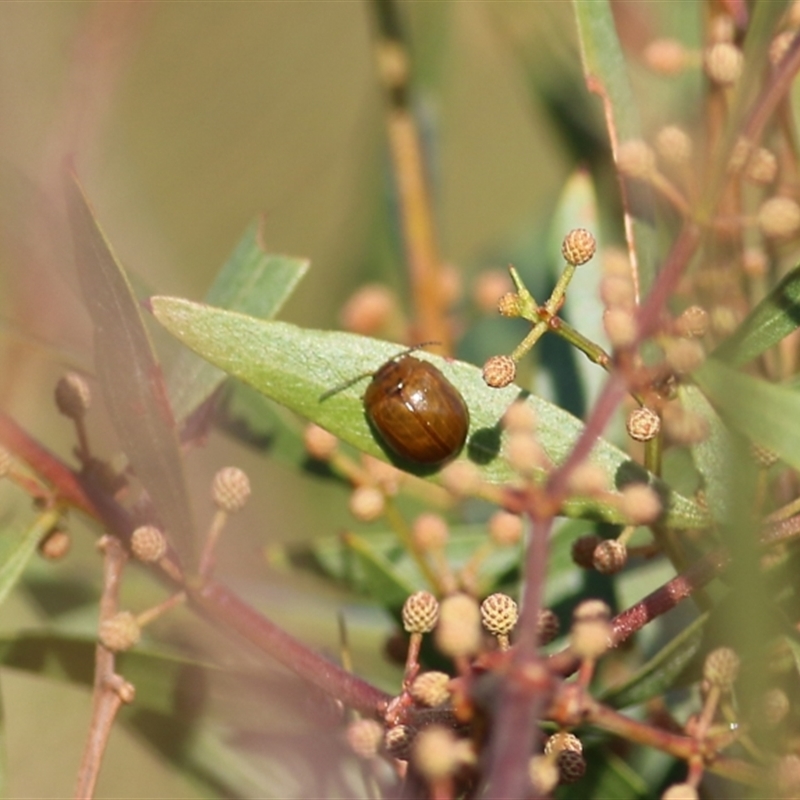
[216,603]
[110,690]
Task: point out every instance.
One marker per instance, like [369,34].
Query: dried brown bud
[369,310]
[780,46]
[684,355]
[431,688]
[544,774]
[505,529]
[636,159]
[72,395]
[666,56]
[763,456]
[762,167]
[367,503]
[643,424]
[571,766]
[490,287]
[509,305]
[398,741]
[525,454]
[620,326]
[590,610]
[775,706]
[462,478]
[640,504]
[692,322]
[420,612]
[588,479]
[499,614]
[618,291]
[578,247]
[520,417]
[674,145]
[499,371]
[583,550]
[547,626]
[120,632]
[459,630]
[779,217]
[365,737]
[562,741]
[680,791]
[755,262]
[610,556]
[230,489]
[723,63]
[430,531]
[55,545]
[721,667]
[319,443]
[148,543]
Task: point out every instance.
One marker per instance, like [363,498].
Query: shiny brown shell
[418,413]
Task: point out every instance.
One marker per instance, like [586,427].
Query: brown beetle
[418,413]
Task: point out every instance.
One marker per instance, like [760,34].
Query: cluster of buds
[577,248]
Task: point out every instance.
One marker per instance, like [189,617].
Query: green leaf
[252,282]
[257,421]
[17,548]
[774,318]
[766,413]
[607,74]
[659,673]
[296,367]
[62,656]
[129,375]
[378,576]
[376,564]
[713,456]
[577,208]
[607,777]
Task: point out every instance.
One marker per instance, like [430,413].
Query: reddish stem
[215,601]
[660,601]
[228,612]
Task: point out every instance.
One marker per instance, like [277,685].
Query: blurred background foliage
[186,121]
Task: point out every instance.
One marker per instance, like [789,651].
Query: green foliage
[298,367]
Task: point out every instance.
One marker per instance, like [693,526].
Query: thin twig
[216,602]
[107,695]
[413,191]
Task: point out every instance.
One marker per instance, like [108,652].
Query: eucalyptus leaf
[129,375]
[312,372]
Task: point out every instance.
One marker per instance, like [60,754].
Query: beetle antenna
[348,383]
[342,386]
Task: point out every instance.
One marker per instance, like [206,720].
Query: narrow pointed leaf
[774,318]
[766,413]
[607,74]
[297,367]
[714,456]
[130,377]
[659,673]
[252,282]
[16,550]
